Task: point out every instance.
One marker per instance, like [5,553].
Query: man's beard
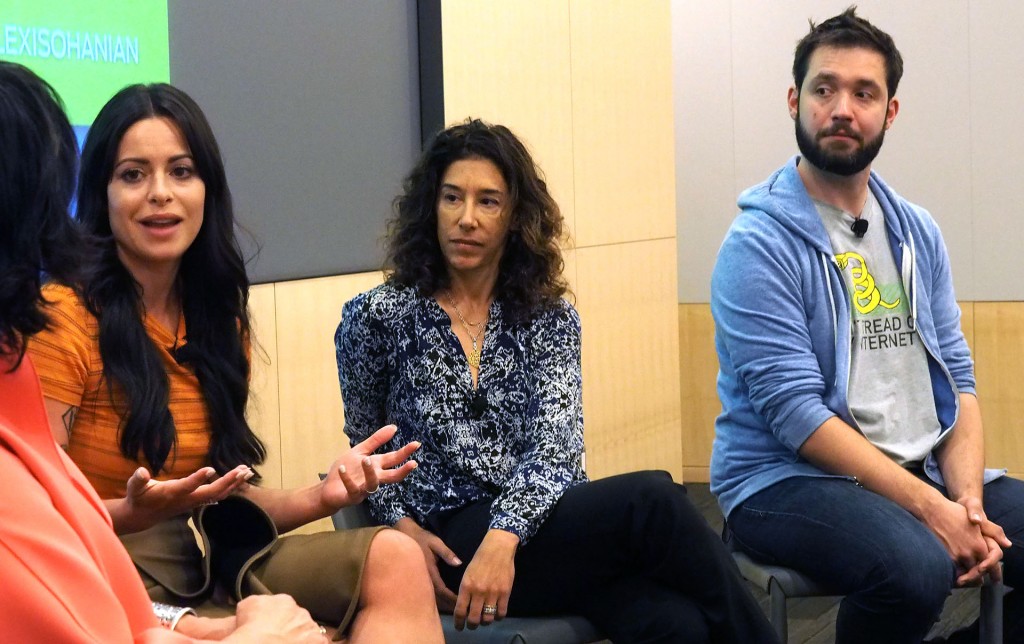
[841,163]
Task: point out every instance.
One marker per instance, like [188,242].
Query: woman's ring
[490,609]
[374,490]
[323,631]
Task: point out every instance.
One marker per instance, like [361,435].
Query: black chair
[783,583]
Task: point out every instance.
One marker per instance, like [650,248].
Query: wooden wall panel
[312,417]
[508,63]
[630,357]
[263,412]
[622,121]
[699,405]
[998,356]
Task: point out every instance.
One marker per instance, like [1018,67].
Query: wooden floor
[812,621]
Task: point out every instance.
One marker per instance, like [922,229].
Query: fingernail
[456,561]
[342,469]
[366,460]
[977,517]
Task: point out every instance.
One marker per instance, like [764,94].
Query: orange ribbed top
[67,359]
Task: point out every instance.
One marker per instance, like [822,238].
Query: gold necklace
[474,356]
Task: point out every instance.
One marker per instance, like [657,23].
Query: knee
[660,506]
[653,490]
[656,482]
[396,556]
[918,582]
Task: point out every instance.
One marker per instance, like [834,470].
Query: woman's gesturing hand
[359,472]
[148,501]
[487,584]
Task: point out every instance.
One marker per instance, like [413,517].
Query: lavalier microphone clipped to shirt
[859,227]
[478,403]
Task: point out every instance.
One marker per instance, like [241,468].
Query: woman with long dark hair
[469,348]
[66,576]
[146,374]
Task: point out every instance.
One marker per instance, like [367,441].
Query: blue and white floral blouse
[517,440]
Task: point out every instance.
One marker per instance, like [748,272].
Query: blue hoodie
[783,329]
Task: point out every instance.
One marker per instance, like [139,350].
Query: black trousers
[631,554]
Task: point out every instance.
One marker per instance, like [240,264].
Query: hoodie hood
[783,197]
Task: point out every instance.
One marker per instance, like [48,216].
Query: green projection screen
[87,49]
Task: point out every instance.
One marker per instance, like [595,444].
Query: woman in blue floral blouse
[470,349]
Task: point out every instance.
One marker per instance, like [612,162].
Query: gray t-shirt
[890,393]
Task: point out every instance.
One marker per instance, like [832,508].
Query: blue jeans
[894,572]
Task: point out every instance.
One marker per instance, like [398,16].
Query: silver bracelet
[169,615]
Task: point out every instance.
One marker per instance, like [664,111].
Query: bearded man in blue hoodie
[850,443]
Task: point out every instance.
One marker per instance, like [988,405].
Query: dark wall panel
[315,104]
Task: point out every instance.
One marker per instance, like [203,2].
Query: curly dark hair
[530,274]
[212,280]
[38,162]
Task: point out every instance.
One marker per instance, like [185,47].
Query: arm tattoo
[69,419]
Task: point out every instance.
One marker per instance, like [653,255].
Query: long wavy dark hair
[212,282]
[530,273]
[38,161]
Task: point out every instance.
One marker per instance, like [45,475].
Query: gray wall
[955,148]
[315,104]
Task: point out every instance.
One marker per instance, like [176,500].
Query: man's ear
[793,99]
[891,111]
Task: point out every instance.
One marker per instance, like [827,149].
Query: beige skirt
[244,556]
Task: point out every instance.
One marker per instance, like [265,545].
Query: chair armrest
[354,516]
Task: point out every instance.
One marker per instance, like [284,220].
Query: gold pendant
[474,358]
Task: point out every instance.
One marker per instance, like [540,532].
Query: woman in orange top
[66,577]
[145,369]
